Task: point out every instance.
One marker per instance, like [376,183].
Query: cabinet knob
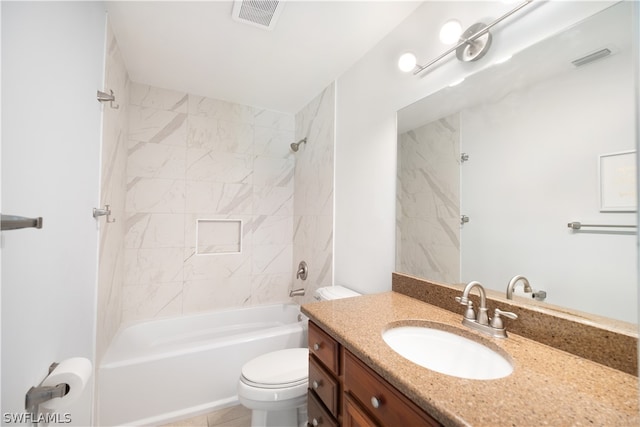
[316,384]
[316,346]
[375,402]
[316,421]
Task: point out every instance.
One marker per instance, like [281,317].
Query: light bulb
[450,31]
[407,62]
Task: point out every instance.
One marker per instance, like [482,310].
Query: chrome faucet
[482,318]
[481,322]
[512,285]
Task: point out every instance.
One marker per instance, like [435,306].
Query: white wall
[368,96]
[52,65]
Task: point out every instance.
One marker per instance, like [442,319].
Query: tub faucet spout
[296,292]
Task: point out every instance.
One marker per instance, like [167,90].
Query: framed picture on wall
[618,182]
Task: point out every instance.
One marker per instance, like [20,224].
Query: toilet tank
[334,292]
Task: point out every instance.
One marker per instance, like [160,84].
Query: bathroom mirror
[491,171]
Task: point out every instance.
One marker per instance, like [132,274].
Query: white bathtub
[163,370]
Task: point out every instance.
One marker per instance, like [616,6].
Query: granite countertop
[548,386]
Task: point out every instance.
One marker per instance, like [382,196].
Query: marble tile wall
[190,158]
[428,201]
[113,193]
[313,198]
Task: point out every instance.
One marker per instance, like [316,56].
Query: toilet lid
[278,367]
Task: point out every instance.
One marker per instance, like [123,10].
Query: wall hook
[103,212]
[108,97]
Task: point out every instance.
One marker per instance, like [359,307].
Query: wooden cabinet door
[354,416]
[379,398]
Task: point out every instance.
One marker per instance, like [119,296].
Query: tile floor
[234,416]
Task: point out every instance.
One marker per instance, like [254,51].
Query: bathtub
[163,370]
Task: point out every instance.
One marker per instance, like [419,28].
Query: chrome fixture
[482,318]
[473,44]
[475,48]
[37,395]
[576,225]
[108,97]
[12,222]
[296,145]
[464,219]
[514,281]
[481,322]
[303,271]
[594,56]
[296,293]
[103,212]
[464,157]
[539,295]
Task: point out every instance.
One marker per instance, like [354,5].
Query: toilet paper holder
[37,395]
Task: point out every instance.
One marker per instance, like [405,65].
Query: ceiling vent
[259,13]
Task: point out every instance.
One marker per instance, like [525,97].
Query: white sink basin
[447,352]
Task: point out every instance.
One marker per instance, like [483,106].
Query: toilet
[274,385]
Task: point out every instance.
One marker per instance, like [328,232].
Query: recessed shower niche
[218,236]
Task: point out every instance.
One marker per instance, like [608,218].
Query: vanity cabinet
[323,405]
[345,391]
[372,394]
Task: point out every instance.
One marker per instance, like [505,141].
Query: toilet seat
[275,376]
[274,386]
[278,368]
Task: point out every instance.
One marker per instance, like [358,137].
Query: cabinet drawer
[325,386]
[324,348]
[316,414]
[379,398]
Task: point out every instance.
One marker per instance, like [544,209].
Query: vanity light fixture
[450,31]
[407,62]
[472,45]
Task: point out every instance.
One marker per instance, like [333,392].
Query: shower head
[296,145]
